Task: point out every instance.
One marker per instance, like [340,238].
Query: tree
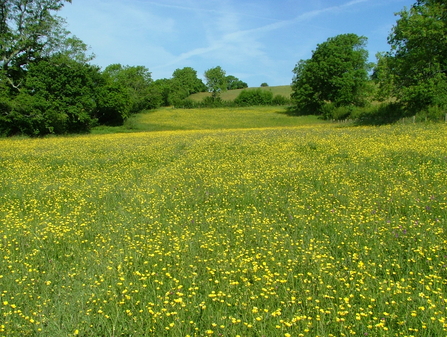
[164,88]
[415,69]
[137,80]
[264,84]
[235,83]
[28,31]
[216,81]
[57,96]
[187,79]
[337,73]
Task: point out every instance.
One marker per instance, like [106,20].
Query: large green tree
[137,80]
[61,95]
[186,78]
[57,96]
[30,30]
[234,83]
[414,71]
[337,73]
[216,81]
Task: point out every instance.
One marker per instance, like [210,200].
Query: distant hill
[284,90]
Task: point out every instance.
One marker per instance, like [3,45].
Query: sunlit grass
[230,95]
[207,119]
[297,231]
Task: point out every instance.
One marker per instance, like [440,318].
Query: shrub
[330,111]
[432,113]
[254,97]
[381,114]
[186,103]
[280,100]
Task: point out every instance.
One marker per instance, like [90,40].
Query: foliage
[280,100]
[186,103]
[186,79]
[415,69]
[312,230]
[113,103]
[29,31]
[137,80]
[58,96]
[46,84]
[184,83]
[164,89]
[254,97]
[385,113]
[234,83]
[337,73]
[431,113]
[216,81]
[264,84]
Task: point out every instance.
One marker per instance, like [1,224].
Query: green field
[230,95]
[287,230]
[170,119]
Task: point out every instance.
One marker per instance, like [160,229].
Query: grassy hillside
[205,119]
[230,95]
[301,231]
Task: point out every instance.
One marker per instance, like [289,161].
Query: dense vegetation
[410,78]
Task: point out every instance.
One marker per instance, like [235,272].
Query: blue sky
[255,40]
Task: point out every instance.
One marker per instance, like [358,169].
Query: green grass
[230,95]
[309,230]
[169,119]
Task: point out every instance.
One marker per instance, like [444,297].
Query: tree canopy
[137,81]
[187,79]
[30,30]
[234,83]
[47,85]
[216,81]
[414,70]
[336,73]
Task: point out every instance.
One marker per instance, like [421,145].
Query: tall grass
[298,231]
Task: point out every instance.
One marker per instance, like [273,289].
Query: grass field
[284,90]
[169,119]
[308,230]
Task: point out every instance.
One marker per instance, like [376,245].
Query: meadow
[171,119]
[306,230]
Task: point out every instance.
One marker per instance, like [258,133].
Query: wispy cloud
[240,38]
[260,40]
[205,10]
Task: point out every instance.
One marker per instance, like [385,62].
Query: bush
[280,100]
[330,111]
[186,103]
[381,114]
[432,113]
[254,97]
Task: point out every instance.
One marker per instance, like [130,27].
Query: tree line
[410,79]
[48,85]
